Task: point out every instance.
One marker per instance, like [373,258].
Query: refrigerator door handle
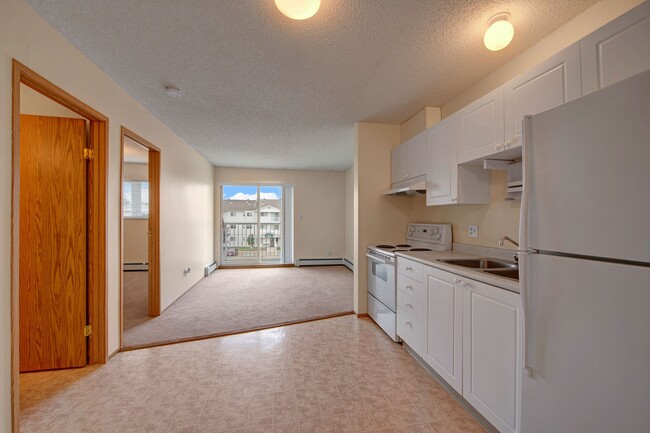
[523,240]
[523,290]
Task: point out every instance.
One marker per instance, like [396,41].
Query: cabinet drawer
[411,305]
[409,268]
[410,330]
[411,287]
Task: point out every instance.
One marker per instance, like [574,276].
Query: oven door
[381,281]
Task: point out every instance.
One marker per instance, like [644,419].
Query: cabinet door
[443,332]
[442,171]
[480,127]
[491,353]
[398,164]
[416,155]
[617,50]
[551,83]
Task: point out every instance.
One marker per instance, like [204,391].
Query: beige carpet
[234,300]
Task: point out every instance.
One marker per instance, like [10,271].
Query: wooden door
[52,243]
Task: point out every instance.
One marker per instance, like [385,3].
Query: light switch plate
[472,231]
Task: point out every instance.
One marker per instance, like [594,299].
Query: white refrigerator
[585,264]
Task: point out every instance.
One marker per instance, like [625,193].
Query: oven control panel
[435,234]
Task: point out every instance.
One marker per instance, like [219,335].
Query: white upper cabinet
[416,155]
[448,182]
[551,83]
[398,164]
[441,162]
[617,50]
[480,127]
[408,159]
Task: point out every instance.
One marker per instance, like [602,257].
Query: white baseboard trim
[325,262]
[210,268]
[135,266]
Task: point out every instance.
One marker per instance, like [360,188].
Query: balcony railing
[242,242]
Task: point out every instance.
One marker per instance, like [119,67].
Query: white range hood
[419,187]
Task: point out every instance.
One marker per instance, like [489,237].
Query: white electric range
[382,284]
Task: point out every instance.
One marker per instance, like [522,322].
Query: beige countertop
[430,258]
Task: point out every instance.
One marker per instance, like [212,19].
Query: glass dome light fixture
[499,33]
[298,9]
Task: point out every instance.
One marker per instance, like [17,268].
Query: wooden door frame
[96,222]
[153,298]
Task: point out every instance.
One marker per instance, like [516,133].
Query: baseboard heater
[325,262]
[210,268]
[135,267]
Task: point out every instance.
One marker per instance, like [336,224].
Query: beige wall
[319,207]
[135,247]
[379,218]
[136,241]
[32,102]
[135,171]
[186,178]
[349,214]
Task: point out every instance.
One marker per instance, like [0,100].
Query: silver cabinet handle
[407,323]
[408,287]
[408,305]
[408,268]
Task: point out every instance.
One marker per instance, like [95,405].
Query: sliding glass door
[252,223]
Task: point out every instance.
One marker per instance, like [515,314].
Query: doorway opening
[140,232]
[70,213]
[256,224]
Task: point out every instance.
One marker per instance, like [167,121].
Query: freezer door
[588,181]
[589,347]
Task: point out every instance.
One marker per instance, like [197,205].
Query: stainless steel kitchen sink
[481,263]
[506,273]
[498,267]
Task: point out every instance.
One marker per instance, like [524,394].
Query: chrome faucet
[509,239]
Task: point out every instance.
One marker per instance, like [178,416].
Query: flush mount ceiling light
[499,33]
[172,91]
[298,9]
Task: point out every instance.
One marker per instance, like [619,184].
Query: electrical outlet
[472,231]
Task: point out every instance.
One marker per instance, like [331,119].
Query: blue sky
[250,192]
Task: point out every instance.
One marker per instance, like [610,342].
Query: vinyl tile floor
[334,375]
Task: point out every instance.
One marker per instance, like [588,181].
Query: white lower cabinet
[470,333]
[443,349]
[491,356]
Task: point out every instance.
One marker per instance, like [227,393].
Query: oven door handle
[378,260]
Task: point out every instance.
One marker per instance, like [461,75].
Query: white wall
[319,207]
[186,178]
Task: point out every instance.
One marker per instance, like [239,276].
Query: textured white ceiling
[261,90]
